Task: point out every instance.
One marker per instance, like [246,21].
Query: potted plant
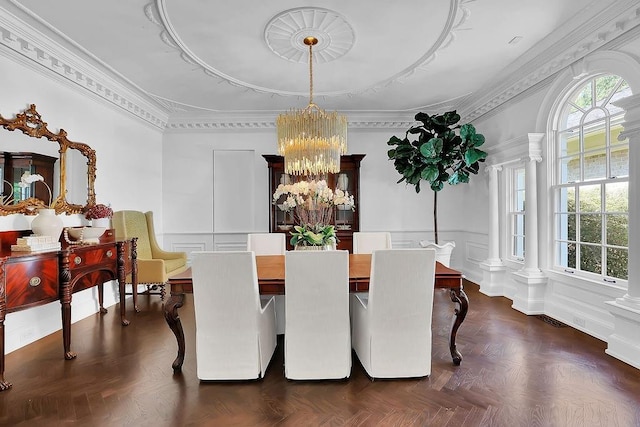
[99,215]
[444,152]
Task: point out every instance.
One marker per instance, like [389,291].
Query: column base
[531,285]
[624,343]
[493,278]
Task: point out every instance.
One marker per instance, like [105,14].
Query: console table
[32,279]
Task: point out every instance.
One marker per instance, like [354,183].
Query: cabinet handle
[77,260]
[35,281]
[109,253]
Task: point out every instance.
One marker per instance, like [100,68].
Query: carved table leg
[4,385]
[65,301]
[122,279]
[101,298]
[173,320]
[134,273]
[458,296]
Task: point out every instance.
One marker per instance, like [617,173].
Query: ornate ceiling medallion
[285,34]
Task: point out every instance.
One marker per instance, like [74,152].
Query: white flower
[28,178]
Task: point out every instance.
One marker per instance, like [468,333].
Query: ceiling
[247,56]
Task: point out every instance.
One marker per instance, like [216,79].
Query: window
[591,182]
[516,214]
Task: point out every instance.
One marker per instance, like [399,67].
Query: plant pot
[47,223]
[101,222]
[314,248]
[443,252]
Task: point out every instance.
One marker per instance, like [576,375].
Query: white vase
[343,181]
[443,252]
[101,222]
[47,223]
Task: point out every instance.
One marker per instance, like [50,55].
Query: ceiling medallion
[286,32]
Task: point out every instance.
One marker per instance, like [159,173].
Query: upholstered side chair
[235,326]
[391,326]
[317,339]
[365,242]
[155,265]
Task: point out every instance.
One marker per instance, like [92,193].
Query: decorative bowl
[86,234]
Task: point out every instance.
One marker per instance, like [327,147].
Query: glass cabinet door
[344,212]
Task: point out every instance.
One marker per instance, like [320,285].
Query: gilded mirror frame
[30,123]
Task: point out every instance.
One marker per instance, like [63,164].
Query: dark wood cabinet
[346,221]
[15,164]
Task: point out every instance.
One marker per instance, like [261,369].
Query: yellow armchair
[155,265]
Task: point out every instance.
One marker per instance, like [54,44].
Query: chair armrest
[162,254]
[151,271]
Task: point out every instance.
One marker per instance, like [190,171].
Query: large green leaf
[394,140]
[430,173]
[472,155]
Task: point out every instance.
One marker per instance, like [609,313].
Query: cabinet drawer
[102,255]
[31,282]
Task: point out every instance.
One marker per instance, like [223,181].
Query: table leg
[173,320]
[101,298]
[458,296]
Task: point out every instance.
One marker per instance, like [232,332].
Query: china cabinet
[15,164]
[345,220]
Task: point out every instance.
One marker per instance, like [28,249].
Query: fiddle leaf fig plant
[441,152]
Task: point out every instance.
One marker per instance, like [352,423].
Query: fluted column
[493,270]
[624,343]
[530,282]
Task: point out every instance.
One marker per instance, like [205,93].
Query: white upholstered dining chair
[267,243]
[270,244]
[365,242]
[235,327]
[391,325]
[317,341]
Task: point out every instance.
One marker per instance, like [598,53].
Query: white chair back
[366,242]
[267,243]
[235,335]
[317,332]
[392,333]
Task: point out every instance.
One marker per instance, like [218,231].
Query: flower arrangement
[28,178]
[98,211]
[310,235]
[312,203]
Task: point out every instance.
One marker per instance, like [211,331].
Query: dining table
[271,281]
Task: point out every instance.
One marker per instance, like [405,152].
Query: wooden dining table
[271,281]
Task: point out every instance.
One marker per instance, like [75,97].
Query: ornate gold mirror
[70,153]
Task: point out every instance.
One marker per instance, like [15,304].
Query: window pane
[567,254]
[569,169]
[618,230]
[518,224]
[568,143]
[567,227]
[518,246]
[617,263]
[595,165]
[617,197]
[591,259]
[604,86]
[520,201]
[590,198]
[567,199]
[584,98]
[591,228]
[619,159]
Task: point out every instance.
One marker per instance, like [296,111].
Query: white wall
[129,171]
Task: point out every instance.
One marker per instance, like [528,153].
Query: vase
[314,247]
[101,222]
[47,223]
[343,181]
[443,252]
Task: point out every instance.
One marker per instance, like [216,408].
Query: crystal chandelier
[311,140]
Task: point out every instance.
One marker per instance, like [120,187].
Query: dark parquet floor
[517,371]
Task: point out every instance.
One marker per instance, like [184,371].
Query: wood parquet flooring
[517,371]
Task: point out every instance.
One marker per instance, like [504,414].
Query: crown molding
[550,57]
[20,40]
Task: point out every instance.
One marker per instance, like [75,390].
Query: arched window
[590,182]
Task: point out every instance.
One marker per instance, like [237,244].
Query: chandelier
[311,140]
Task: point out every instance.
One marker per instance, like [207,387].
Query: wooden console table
[271,281]
[32,279]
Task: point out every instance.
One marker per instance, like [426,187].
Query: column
[493,270]
[624,343]
[530,282]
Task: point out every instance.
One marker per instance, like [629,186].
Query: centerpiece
[99,215]
[312,204]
